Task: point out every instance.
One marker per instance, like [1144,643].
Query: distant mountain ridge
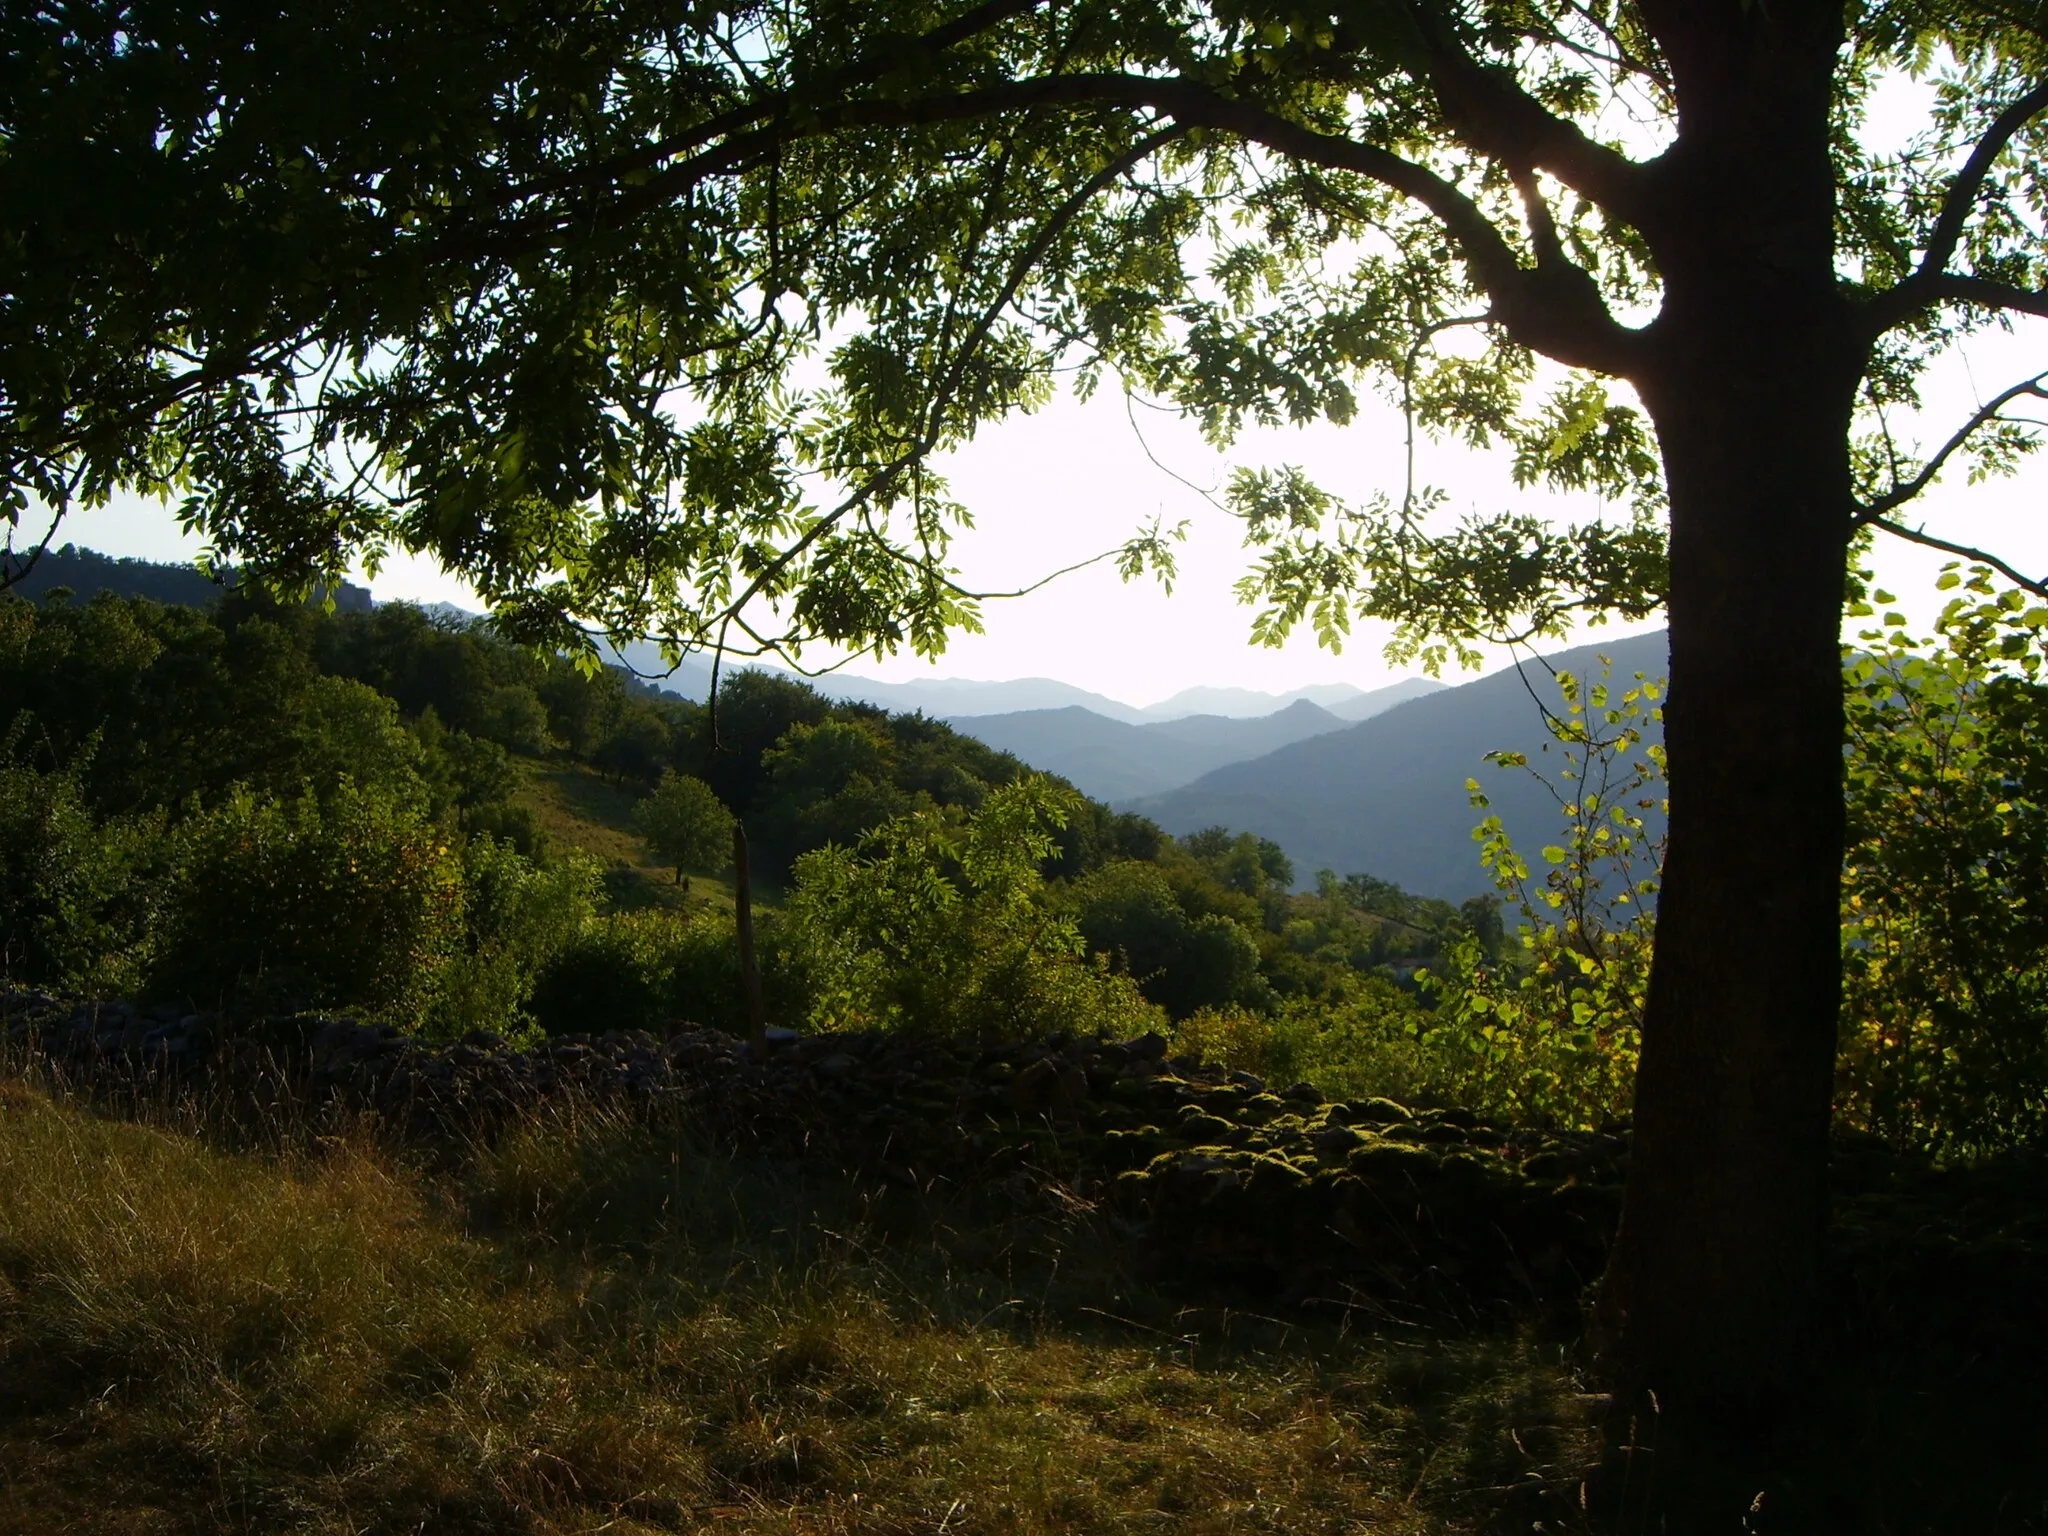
[1119,760]
[86,572]
[1387,797]
[961,698]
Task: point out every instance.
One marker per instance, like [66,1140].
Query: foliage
[74,912]
[1376,1042]
[684,822]
[651,969]
[1945,1010]
[350,902]
[1551,1033]
[939,927]
[1127,910]
[479,277]
[518,918]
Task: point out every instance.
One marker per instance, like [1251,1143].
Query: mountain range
[1113,759]
[1387,797]
[960,698]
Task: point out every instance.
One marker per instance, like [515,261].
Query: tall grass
[590,1324]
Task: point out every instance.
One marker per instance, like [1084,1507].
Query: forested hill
[86,573]
[400,813]
[1389,796]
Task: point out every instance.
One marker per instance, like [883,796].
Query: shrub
[1128,910]
[648,969]
[1945,954]
[74,892]
[1373,1043]
[355,903]
[1552,1034]
[942,925]
[518,916]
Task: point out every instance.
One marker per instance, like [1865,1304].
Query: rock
[1033,1090]
[1378,1112]
[1335,1140]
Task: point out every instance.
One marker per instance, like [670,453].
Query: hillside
[85,572]
[1388,796]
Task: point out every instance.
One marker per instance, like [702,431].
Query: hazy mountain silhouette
[961,698]
[1340,699]
[1116,760]
[1387,797]
[85,572]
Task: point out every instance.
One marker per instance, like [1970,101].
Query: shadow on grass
[589,1321]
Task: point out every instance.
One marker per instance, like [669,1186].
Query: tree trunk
[1708,1306]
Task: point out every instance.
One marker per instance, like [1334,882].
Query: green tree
[683,821]
[941,926]
[1127,910]
[484,263]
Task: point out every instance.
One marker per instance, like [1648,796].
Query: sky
[1077,478]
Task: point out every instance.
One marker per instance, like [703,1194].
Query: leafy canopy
[650,317]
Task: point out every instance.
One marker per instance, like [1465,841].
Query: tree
[684,822]
[440,296]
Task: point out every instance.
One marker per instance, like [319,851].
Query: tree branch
[1965,551]
[1491,112]
[1060,220]
[1931,281]
[1986,293]
[1555,307]
[889,58]
[1899,495]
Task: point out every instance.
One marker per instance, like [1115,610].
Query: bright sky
[1077,478]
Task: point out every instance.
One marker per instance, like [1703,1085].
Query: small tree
[1553,1032]
[684,822]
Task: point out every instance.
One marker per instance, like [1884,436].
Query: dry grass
[592,1326]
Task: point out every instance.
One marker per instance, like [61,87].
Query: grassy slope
[579,808]
[591,1327]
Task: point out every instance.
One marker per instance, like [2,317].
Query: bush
[1551,1033]
[355,903]
[518,916]
[1128,910]
[74,893]
[1372,1043]
[943,926]
[649,969]
[1945,957]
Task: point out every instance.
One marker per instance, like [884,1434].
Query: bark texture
[1751,370]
